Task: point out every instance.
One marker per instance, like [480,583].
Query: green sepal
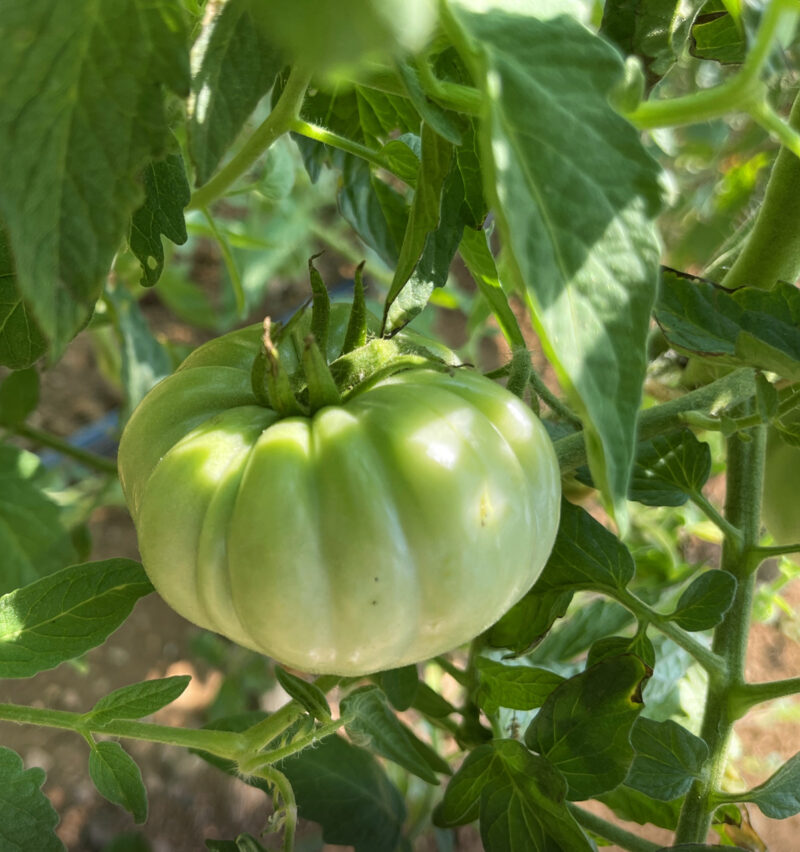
[320,306]
[270,381]
[322,390]
[356,335]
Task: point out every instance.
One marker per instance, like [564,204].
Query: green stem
[46,439]
[328,137]
[748,695]
[284,788]
[762,553]
[221,743]
[253,764]
[744,92]
[277,123]
[263,733]
[743,511]
[716,518]
[735,387]
[619,836]
[713,663]
[520,372]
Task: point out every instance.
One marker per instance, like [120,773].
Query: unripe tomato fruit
[367,536]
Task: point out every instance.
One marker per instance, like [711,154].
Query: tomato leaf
[79,139]
[237,67]
[21,341]
[401,686]
[408,295]
[747,327]
[374,724]
[667,470]
[779,796]
[138,699]
[33,539]
[719,36]
[583,728]
[519,798]
[166,193]
[517,687]
[527,622]
[27,819]
[576,218]
[428,702]
[65,614]
[338,785]
[704,603]
[309,695]
[432,114]
[632,806]
[585,556]
[19,396]
[118,779]
[668,758]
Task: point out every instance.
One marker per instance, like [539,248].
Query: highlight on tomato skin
[360,538]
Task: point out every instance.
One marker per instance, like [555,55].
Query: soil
[190,801]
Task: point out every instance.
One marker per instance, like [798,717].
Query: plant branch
[46,439]
[711,662]
[335,140]
[716,518]
[274,125]
[748,695]
[735,387]
[220,743]
[619,836]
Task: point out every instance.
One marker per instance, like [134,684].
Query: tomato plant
[558,238]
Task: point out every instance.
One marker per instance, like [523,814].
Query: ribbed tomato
[366,536]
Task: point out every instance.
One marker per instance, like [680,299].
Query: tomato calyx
[363,361]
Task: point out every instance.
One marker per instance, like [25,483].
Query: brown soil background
[190,801]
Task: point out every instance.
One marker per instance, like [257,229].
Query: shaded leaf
[717,35]
[746,327]
[79,139]
[138,699]
[584,726]
[576,218]
[668,759]
[519,798]
[27,819]
[529,620]
[517,687]
[374,725]
[65,614]
[166,193]
[401,686]
[118,779]
[19,396]
[631,805]
[237,67]
[704,603]
[33,539]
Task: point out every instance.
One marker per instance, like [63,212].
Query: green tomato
[780,509]
[365,537]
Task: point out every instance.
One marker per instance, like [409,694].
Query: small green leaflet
[779,796]
[27,819]
[118,779]
[138,699]
[577,219]
[373,724]
[517,687]
[400,686]
[527,622]
[583,728]
[668,758]
[585,555]
[746,327]
[309,695]
[519,798]
[704,603]
[633,806]
[76,146]
[67,613]
[237,67]
[717,35]
[33,539]
[21,342]
[166,193]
